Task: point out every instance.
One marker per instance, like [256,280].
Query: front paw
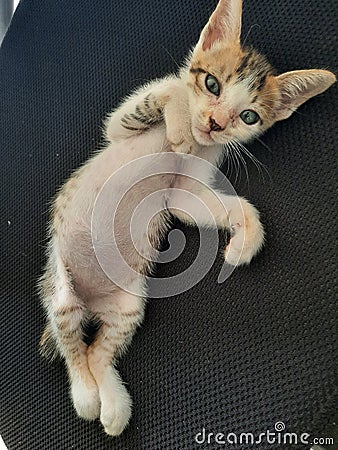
[181,147]
[181,141]
[247,234]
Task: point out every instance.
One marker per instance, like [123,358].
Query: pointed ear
[299,86]
[224,24]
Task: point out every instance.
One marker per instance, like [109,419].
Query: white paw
[115,404]
[248,235]
[183,147]
[180,139]
[115,417]
[86,399]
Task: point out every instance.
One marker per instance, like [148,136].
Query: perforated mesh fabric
[233,357]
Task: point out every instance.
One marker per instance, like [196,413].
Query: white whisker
[171,56]
[246,37]
[258,164]
[264,145]
[238,151]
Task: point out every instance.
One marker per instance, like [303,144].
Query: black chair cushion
[233,357]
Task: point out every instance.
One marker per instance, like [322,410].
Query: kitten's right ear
[224,25]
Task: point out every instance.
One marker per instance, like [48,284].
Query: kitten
[223,95]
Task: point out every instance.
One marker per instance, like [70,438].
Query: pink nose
[214,126]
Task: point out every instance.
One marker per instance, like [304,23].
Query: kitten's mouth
[202,135]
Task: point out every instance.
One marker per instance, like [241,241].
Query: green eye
[212,84]
[249,117]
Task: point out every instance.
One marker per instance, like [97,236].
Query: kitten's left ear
[224,25]
[299,86]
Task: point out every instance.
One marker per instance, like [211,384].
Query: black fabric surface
[235,357]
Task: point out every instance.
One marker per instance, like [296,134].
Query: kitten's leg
[66,312]
[247,233]
[178,121]
[231,212]
[140,111]
[165,99]
[119,314]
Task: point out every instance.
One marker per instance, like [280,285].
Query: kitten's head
[234,93]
